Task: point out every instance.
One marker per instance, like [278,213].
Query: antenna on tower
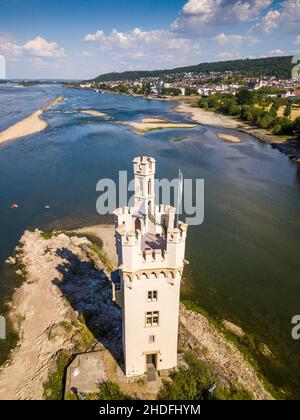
[179,194]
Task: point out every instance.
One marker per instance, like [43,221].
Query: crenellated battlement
[143,165]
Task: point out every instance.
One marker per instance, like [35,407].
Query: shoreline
[42,337]
[29,125]
[284,144]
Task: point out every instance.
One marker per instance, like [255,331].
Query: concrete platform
[85,372]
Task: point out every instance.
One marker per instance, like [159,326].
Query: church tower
[146,285]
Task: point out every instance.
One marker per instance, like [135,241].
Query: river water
[244,259]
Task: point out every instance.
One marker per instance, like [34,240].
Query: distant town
[197,84]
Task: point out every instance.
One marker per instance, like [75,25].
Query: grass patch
[194,383]
[54,386]
[96,246]
[110,391]
[85,338]
[49,235]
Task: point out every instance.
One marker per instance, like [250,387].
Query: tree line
[257,107]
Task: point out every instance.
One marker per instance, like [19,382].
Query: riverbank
[284,144]
[29,125]
[145,125]
[67,275]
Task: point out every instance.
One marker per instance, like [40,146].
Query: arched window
[149,187]
[137,224]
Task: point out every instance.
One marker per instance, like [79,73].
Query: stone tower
[146,285]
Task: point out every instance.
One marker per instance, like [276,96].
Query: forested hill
[279,67]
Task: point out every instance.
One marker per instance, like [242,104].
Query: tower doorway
[151,361]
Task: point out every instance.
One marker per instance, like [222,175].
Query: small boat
[47,206]
[14,206]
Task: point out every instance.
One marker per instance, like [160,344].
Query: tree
[190,91]
[266,120]
[296,126]
[203,103]
[275,107]
[245,97]
[147,89]
[288,109]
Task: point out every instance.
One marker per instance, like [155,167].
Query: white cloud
[202,16]
[139,39]
[287,17]
[181,43]
[277,52]
[297,40]
[94,37]
[39,47]
[8,46]
[151,48]
[271,21]
[222,38]
[227,55]
[250,10]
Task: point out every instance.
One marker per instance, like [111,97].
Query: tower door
[151,361]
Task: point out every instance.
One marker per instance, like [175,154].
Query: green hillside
[279,67]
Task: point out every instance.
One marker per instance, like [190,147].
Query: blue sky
[81,39]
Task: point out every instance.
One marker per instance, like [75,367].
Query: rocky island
[69,327]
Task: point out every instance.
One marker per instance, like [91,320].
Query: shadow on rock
[88,291]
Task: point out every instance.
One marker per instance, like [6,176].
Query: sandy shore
[229,138]
[47,260]
[148,124]
[208,117]
[29,125]
[93,113]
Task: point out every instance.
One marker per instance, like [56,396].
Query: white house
[146,286]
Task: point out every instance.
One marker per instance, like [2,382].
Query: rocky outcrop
[196,334]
